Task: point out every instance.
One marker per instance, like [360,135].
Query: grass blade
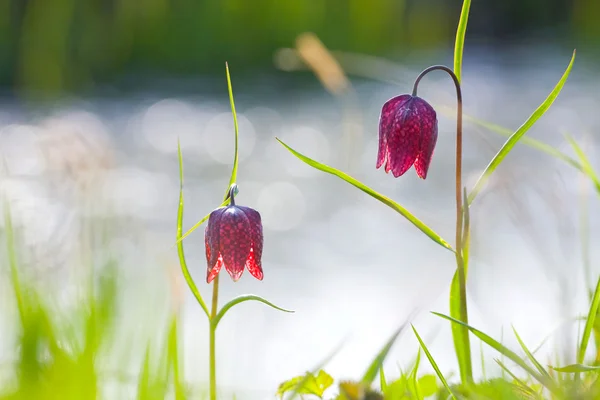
[577,368]
[180,253]
[460,334]
[371,372]
[433,363]
[234,170]
[531,357]
[589,324]
[460,38]
[511,355]
[586,166]
[521,384]
[385,200]
[241,299]
[527,141]
[512,141]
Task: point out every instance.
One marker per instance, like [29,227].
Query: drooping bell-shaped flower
[408,132]
[234,239]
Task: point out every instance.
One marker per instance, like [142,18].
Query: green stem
[212,332]
[460,265]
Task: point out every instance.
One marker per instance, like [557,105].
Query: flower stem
[212,332]
[460,264]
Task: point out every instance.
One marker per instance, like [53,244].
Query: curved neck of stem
[232,191]
[459,206]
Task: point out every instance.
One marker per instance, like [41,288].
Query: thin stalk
[212,332]
[458,187]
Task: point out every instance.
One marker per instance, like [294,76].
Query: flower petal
[211,235]
[253,263]
[386,119]
[213,272]
[429,134]
[234,240]
[404,138]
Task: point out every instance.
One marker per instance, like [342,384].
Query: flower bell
[407,135]
[233,238]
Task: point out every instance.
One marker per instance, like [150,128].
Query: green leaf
[428,385]
[433,363]
[577,368]
[180,253]
[385,200]
[397,389]
[234,170]
[460,38]
[586,166]
[526,140]
[512,141]
[382,381]
[460,334]
[371,372]
[511,355]
[315,385]
[589,324]
[241,299]
[199,223]
[300,382]
[522,385]
[414,384]
[531,357]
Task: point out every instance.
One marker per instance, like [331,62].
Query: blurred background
[95,93]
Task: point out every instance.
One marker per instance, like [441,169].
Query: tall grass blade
[589,324]
[459,44]
[460,334]
[184,269]
[511,355]
[530,355]
[234,170]
[586,167]
[371,372]
[577,368]
[512,141]
[385,200]
[433,364]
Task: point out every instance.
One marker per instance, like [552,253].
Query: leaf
[433,363]
[300,383]
[577,368]
[241,299]
[512,141]
[428,385]
[385,200]
[526,389]
[531,357]
[460,38]
[586,166]
[382,381]
[315,385]
[460,334]
[589,324]
[180,253]
[199,223]
[413,378]
[234,170]
[511,355]
[371,372]
[528,141]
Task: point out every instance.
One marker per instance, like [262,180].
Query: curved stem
[212,328]
[459,195]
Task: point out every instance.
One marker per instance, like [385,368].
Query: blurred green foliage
[56,45]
